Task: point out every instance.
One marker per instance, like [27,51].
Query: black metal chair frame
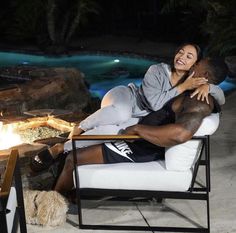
[197,191]
[12,176]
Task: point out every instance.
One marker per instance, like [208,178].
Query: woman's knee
[124,112]
[119,94]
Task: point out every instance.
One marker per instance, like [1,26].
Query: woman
[124,106]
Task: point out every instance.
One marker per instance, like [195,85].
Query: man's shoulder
[198,106]
[192,112]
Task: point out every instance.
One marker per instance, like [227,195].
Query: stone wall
[231,63]
[28,88]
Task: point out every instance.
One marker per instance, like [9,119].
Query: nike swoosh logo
[113,148]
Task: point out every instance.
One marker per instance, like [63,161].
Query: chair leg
[3,221]
[20,199]
[208,213]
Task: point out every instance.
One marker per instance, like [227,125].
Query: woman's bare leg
[89,155]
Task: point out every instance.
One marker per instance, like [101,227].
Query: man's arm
[187,123]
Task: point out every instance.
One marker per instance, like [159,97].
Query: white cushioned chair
[172,178]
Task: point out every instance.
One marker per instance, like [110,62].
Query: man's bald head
[214,69]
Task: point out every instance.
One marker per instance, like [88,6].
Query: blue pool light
[116,60]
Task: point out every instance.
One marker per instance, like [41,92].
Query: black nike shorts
[138,151]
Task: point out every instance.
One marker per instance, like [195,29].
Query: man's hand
[75,131]
[202,92]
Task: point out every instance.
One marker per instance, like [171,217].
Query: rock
[50,88]
[231,63]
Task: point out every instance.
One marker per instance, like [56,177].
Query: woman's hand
[202,92]
[191,83]
[75,131]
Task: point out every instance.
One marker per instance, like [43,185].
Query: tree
[220,25]
[48,23]
[64,17]
[214,20]
[186,17]
[25,20]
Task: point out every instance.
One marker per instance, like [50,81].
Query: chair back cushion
[182,157]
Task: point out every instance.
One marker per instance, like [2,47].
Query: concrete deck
[222,196]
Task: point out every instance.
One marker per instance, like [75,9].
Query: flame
[8,137]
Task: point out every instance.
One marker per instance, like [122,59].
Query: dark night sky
[118,17]
[132,17]
[149,19]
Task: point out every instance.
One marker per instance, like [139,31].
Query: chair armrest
[106,137]
[9,173]
[116,137]
[199,137]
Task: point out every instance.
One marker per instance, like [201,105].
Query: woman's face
[185,58]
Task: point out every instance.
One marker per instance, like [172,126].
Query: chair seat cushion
[135,176]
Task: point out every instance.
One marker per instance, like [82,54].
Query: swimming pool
[102,72]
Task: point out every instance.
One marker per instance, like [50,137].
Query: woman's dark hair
[198,49]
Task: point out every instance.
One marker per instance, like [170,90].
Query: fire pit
[34,128]
[26,130]
[23,88]
[31,133]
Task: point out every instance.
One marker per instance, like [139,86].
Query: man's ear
[206,74]
[191,69]
[210,77]
[194,65]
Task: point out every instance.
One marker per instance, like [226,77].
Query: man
[176,123]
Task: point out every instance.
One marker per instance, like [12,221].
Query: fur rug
[46,208]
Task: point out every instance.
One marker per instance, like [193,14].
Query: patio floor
[223,172]
[222,196]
